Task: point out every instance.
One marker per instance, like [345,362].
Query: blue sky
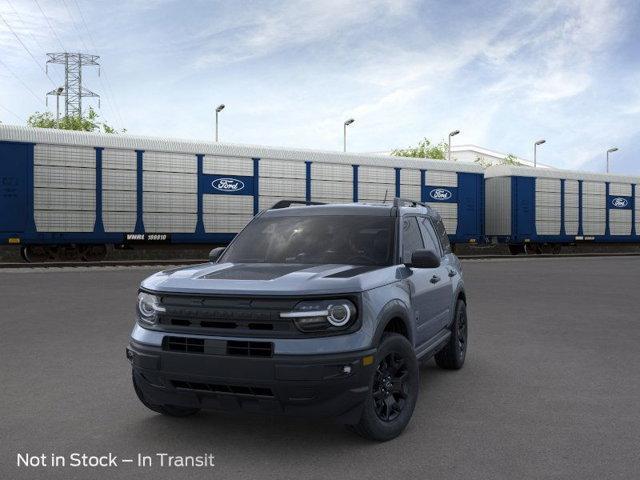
[290,73]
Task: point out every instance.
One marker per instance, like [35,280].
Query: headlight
[322,315]
[148,308]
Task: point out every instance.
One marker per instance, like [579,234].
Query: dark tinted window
[442,234]
[429,235]
[411,238]
[317,239]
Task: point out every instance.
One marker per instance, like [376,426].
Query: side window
[429,235]
[411,238]
[442,234]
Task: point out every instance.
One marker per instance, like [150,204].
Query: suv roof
[295,208]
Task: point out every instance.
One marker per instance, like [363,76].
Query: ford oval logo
[228,184]
[619,202]
[440,194]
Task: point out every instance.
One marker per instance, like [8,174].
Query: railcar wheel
[516,249]
[34,253]
[93,253]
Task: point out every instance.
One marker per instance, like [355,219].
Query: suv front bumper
[333,385]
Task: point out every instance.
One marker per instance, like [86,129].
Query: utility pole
[344,134]
[73,90]
[219,108]
[57,92]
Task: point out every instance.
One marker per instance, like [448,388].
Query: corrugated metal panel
[594,204]
[169,182]
[376,191]
[64,177]
[571,204]
[441,179]
[571,219]
[277,187]
[119,159]
[63,156]
[169,222]
[216,223]
[509,171]
[270,168]
[332,200]
[412,192]
[130,142]
[620,221]
[593,228]
[498,206]
[331,189]
[409,177]
[228,204]
[571,186]
[64,220]
[118,201]
[449,214]
[119,180]
[623,189]
[548,185]
[332,171]
[594,188]
[64,199]
[378,175]
[217,165]
[169,162]
[548,210]
[170,202]
[119,221]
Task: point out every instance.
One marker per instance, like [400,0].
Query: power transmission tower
[73,91]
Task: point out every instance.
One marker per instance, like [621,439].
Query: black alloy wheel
[390,387]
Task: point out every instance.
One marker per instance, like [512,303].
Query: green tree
[88,123]
[425,149]
[510,159]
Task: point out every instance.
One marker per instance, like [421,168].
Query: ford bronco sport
[311,310]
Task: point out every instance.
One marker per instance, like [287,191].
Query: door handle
[452,272]
[435,279]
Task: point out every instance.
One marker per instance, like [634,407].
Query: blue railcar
[536,210]
[78,192]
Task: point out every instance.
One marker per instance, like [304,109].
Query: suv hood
[271,279]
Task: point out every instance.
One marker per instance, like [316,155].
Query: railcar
[540,210]
[72,194]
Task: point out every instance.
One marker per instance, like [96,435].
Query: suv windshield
[317,239]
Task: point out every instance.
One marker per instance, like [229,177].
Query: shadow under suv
[319,310]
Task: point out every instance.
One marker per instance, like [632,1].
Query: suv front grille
[250,349]
[217,347]
[184,344]
[229,389]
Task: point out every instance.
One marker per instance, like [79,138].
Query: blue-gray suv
[320,310]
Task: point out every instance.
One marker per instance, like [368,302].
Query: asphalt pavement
[551,387]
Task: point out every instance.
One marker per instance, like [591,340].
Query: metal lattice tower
[73,91]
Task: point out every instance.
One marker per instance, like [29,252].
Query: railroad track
[182,261]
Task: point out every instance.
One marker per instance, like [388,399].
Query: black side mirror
[214,254]
[424,259]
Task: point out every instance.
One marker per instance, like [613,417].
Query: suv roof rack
[399,202]
[288,203]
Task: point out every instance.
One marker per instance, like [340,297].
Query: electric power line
[27,49]
[50,26]
[12,113]
[21,81]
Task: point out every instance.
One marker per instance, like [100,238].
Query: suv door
[420,283]
[443,288]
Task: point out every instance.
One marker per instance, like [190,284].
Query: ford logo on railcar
[228,184]
[619,202]
[440,194]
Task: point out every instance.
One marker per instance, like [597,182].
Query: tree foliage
[424,149]
[87,123]
[510,159]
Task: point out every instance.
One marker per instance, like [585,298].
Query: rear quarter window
[441,233]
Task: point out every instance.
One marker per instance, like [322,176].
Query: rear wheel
[452,356]
[170,410]
[393,390]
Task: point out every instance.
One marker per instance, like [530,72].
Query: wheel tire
[452,356]
[169,410]
[397,377]
[515,249]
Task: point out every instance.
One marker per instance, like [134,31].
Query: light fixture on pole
[344,137]
[452,134]
[611,150]
[219,108]
[535,151]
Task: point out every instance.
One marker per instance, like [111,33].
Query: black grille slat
[184,344]
[225,389]
[249,349]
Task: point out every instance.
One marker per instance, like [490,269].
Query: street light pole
[59,90]
[344,137]
[219,108]
[451,134]
[535,152]
[611,150]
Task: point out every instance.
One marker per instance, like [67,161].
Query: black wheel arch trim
[392,310]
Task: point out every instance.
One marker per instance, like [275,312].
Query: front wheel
[393,390]
[452,356]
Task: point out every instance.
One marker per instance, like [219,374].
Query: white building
[471,153]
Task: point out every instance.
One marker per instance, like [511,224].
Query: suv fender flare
[393,309]
[458,295]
